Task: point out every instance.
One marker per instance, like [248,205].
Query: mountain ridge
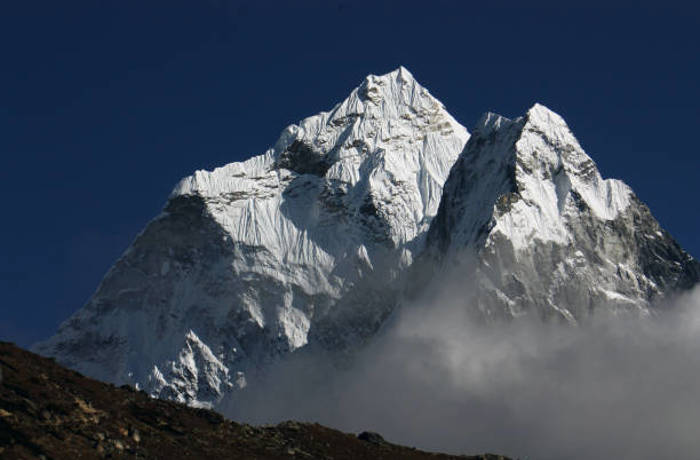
[309,245]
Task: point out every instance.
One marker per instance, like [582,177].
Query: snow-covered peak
[389,144]
[384,117]
[544,233]
[389,88]
[544,118]
[521,178]
[549,153]
[303,244]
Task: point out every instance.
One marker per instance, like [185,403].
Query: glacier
[315,243]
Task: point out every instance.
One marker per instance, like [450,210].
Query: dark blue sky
[104,106]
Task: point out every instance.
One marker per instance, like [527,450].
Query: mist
[435,378]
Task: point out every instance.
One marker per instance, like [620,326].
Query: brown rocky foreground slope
[47,411]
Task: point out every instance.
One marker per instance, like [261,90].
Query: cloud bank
[438,380]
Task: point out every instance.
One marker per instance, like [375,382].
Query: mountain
[47,411]
[543,233]
[302,246]
[312,245]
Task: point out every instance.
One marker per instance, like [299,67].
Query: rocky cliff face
[304,245]
[544,233]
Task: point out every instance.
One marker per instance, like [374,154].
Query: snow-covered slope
[302,245]
[527,209]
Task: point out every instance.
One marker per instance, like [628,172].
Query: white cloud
[612,388]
